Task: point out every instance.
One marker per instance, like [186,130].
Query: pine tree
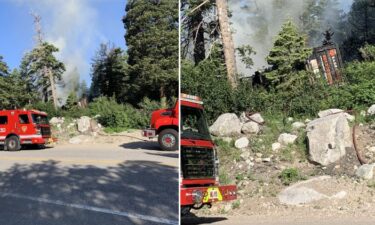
[4,70]
[39,67]
[152,41]
[287,56]
[71,101]
[13,91]
[110,76]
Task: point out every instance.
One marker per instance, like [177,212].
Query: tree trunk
[228,45]
[48,73]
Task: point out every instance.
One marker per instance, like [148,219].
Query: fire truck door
[24,124]
[3,127]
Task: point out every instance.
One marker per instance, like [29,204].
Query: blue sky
[77,27]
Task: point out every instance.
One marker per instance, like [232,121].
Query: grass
[290,175]
[112,130]
[236,204]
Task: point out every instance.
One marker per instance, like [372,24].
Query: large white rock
[242,143]
[285,139]
[298,125]
[226,125]
[84,124]
[304,193]
[328,112]
[365,171]
[257,118]
[371,110]
[250,128]
[328,138]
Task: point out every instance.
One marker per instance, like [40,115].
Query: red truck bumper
[206,195]
[149,132]
[38,140]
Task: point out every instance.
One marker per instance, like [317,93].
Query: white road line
[91,208]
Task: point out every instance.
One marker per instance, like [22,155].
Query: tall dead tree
[228,45]
[46,71]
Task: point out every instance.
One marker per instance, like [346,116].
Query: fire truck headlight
[197,196]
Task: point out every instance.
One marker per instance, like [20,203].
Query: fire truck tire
[168,139]
[12,143]
[185,210]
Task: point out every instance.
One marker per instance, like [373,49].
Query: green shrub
[290,175]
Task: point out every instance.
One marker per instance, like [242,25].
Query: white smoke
[70,25]
[257,22]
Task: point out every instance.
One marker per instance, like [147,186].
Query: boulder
[257,118]
[365,171]
[371,110]
[241,143]
[84,124]
[250,128]
[298,125]
[95,126]
[226,125]
[306,192]
[276,146]
[328,112]
[285,139]
[328,138]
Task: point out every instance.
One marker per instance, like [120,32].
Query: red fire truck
[23,127]
[164,124]
[199,163]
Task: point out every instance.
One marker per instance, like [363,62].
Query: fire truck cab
[164,124]
[23,127]
[199,163]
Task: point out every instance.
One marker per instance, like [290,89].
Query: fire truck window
[24,119]
[3,120]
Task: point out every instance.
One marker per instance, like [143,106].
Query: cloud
[71,26]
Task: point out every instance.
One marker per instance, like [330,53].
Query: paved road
[132,183]
[288,220]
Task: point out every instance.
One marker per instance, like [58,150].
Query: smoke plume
[257,22]
[70,26]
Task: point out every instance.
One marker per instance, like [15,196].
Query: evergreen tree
[13,91]
[152,40]
[71,101]
[361,26]
[288,55]
[110,74]
[40,68]
[4,70]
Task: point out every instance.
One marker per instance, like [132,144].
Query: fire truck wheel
[168,140]
[12,143]
[185,210]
